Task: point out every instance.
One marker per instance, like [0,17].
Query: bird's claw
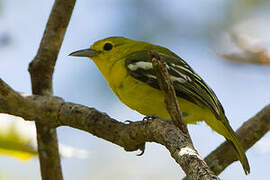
[142,148]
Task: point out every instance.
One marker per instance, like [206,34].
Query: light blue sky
[182,27]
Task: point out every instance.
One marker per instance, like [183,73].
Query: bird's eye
[107,46]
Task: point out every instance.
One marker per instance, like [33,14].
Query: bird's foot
[149,117]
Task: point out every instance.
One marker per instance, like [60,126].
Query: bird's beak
[85,53]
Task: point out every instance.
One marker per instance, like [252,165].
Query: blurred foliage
[248,51]
[242,8]
[245,34]
[18,139]
[14,138]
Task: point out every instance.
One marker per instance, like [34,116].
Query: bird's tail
[233,139]
[222,127]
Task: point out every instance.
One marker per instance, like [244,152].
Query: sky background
[191,29]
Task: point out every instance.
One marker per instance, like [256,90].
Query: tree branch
[41,70]
[42,67]
[54,112]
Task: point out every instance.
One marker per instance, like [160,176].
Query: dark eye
[107,46]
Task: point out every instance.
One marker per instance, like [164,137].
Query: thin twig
[188,158]
[166,86]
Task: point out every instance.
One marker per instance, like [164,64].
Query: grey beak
[85,53]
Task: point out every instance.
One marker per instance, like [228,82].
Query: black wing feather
[187,83]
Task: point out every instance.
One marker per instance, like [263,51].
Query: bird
[126,65]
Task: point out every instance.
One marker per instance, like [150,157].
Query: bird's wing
[187,83]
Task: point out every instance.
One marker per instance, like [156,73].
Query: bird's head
[110,49]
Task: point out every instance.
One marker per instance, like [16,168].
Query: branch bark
[41,70]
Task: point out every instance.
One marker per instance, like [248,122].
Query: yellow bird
[127,67]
